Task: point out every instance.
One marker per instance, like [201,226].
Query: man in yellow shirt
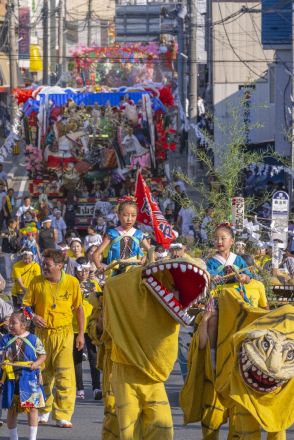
[56,298]
[23,272]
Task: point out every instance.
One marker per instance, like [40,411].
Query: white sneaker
[43,418]
[80,394]
[63,424]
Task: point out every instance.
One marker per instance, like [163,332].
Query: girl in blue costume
[124,241]
[223,263]
[21,382]
[224,260]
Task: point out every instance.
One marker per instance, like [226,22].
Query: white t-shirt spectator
[22,209]
[60,225]
[187,215]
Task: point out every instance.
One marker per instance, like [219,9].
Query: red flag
[150,214]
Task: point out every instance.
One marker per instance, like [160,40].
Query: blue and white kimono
[216,265]
[26,383]
[116,235]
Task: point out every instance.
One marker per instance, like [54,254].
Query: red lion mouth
[189,284]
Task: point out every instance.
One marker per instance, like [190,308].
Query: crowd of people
[53,315]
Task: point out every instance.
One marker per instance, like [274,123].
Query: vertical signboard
[24,34]
[238,206]
[280,217]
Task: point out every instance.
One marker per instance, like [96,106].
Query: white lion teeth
[259,372]
[161,292]
[190,267]
[176,309]
[271,379]
[155,269]
[261,389]
[161,267]
[246,366]
[246,374]
[250,380]
[175,265]
[183,267]
[154,284]
[168,297]
[168,266]
[148,272]
[200,272]
[172,304]
[181,313]
[265,376]
[150,279]
[195,269]
[157,288]
[255,384]
[254,368]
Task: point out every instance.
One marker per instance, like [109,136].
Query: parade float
[81,140]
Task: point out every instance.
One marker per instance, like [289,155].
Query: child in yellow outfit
[23,272]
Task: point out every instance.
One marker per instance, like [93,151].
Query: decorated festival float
[90,140]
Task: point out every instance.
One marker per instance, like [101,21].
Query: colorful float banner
[280,218]
[150,214]
[238,207]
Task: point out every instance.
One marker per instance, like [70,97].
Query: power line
[234,50]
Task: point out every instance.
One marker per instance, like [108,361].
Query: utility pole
[60,38]
[193,68]
[193,89]
[89,23]
[53,42]
[12,58]
[45,42]
[181,73]
[209,39]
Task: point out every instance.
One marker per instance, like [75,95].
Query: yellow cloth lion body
[208,396]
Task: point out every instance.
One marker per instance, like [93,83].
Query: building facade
[242,73]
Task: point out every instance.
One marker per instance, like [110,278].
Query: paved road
[88,418]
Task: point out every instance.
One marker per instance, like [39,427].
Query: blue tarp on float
[103,98]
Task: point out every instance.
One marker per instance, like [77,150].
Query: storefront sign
[24,34]
[280,217]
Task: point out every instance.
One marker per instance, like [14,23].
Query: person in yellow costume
[261,259]
[91,293]
[55,297]
[144,341]
[23,272]
[210,396]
